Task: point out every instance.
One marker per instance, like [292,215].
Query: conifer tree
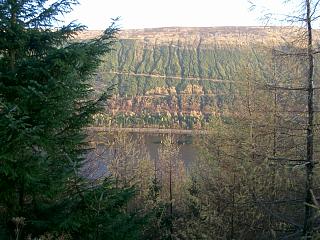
[46,101]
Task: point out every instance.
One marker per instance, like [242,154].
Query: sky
[134,14]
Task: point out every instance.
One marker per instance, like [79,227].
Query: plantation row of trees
[158,120]
[131,84]
[181,60]
[186,111]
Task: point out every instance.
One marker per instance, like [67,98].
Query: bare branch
[273,87]
[274,214]
[283,53]
[286,159]
[314,11]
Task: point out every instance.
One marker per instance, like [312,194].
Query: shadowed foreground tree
[45,102]
[304,48]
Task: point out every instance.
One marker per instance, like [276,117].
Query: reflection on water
[104,150]
[187,149]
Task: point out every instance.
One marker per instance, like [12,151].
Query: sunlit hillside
[181,77]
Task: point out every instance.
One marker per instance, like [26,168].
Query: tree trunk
[309,211]
[170,196]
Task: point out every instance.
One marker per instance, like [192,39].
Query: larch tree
[172,178]
[303,47]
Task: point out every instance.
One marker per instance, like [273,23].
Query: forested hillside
[181,77]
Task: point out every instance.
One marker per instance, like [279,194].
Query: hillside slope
[182,76]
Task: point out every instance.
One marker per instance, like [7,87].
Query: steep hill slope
[179,77]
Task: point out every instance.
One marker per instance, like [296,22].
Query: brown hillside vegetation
[208,35]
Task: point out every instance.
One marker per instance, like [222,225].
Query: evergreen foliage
[45,103]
